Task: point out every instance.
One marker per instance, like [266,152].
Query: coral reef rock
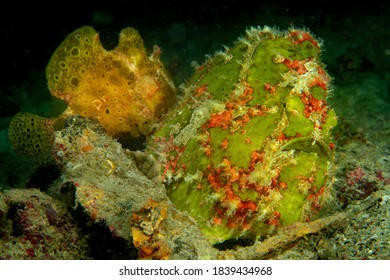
[101,180]
[34,226]
[104,189]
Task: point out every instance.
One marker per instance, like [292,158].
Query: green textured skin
[249,147]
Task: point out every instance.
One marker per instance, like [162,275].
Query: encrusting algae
[246,151]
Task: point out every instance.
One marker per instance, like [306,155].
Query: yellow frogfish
[124,89]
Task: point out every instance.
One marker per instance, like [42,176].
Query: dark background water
[186,30]
[356,40]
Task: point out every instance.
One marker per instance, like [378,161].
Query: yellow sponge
[31,135]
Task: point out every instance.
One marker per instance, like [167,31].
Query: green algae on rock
[249,147]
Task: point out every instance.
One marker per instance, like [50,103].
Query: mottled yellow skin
[124,89]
